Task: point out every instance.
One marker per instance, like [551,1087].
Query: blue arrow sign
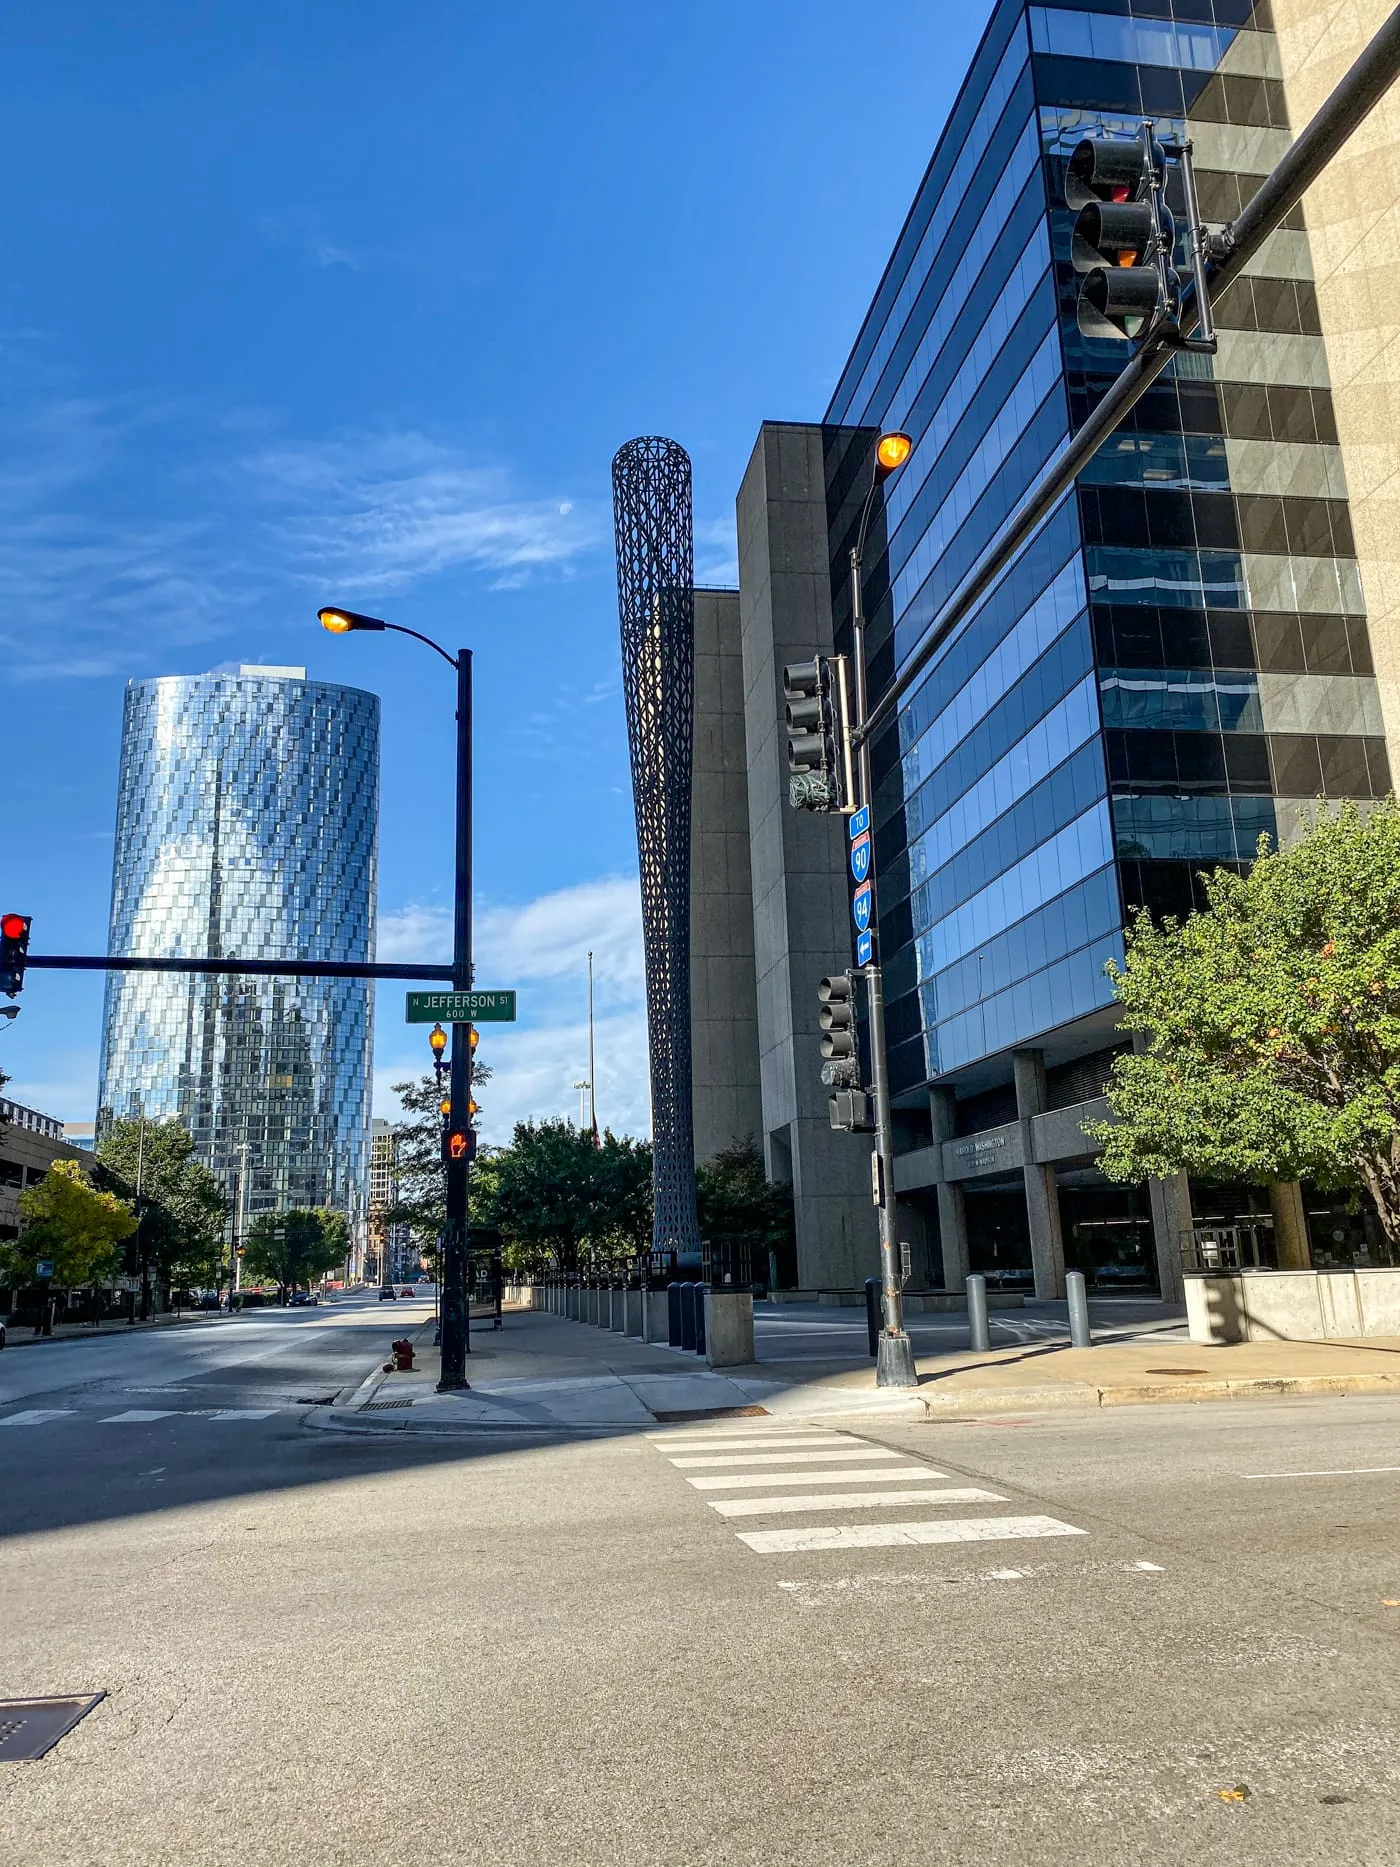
[860,856]
[864,948]
[860,821]
[860,907]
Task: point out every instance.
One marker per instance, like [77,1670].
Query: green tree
[422,1201]
[181,1203]
[562,1200]
[296,1248]
[69,1221]
[1269,1024]
[736,1200]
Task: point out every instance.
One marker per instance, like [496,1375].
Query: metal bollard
[700,1290]
[872,1313]
[688,1318]
[673,1315]
[1080,1335]
[979,1335]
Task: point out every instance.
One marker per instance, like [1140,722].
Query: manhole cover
[30,1727]
[1181,1371]
[383,1406]
[709,1413]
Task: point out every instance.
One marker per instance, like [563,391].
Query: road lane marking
[1339,1471]
[766,1506]
[709,1443]
[35,1416]
[136,1415]
[890,1535]
[884,1475]
[244,1413]
[856,1451]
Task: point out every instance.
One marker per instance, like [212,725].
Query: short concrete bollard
[1080,1335]
[632,1312]
[728,1321]
[656,1315]
[978,1334]
[619,1309]
[688,1318]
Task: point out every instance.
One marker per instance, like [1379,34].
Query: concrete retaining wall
[1293,1306]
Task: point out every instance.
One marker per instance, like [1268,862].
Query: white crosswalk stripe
[36,1416]
[137,1416]
[792,1471]
[855,1451]
[892,1535]
[851,1500]
[882,1475]
[140,1416]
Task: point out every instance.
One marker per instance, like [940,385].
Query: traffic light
[837,1019]
[1124,241]
[819,734]
[14,944]
[848,1111]
[459,1144]
[1123,236]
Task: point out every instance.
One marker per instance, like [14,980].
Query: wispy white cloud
[380,511]
[717,552]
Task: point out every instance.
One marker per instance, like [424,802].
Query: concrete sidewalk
[543,1372]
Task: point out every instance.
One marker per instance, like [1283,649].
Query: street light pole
[454,1308]
[894,1365]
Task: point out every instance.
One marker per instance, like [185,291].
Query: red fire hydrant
[402,1351]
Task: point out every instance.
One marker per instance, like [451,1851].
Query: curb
[122,1332]
[1081,1396]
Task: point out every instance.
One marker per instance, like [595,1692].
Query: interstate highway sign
[460,1008]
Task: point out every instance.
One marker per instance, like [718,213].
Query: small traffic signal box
[819,735]
[14,944]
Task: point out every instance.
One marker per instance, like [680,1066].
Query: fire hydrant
[402,1351]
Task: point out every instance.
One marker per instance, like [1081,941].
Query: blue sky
[355,302]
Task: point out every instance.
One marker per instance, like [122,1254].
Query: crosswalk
[137,1416]
[839,1474]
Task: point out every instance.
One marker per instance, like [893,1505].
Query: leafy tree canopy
[297,1247]
[1270,1023]
[422,1200]
[71,1222]
[181,1203]
[736,1200]
[560,1198]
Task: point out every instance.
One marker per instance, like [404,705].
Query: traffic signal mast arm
[1222,258]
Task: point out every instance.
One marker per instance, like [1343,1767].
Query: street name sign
[460,1008]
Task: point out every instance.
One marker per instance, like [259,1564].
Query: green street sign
[460,1008]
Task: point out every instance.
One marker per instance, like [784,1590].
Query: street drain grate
[1180,1371]
[310,1400]
[30,1727]
[383,1406]
[708,1413]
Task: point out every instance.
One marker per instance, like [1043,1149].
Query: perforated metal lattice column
[656,607]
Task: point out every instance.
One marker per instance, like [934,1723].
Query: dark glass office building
[1176,665]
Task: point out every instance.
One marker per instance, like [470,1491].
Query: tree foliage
[71,1222]
[736,1200]
[298,1247]
[1269,1024]
[181,1203]
[563,1201]
[418,1168]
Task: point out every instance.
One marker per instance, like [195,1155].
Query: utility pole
[455,1309]
[592,1072]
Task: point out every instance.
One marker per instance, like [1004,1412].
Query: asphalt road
[526,1649]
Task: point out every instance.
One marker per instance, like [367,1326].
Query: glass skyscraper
[247,825]
[1178,663]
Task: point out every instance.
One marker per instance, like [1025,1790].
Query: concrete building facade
[29,1145]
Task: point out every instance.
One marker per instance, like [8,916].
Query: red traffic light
[14,926]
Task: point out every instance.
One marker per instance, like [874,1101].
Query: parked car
[300,1298]
[209,1300]
[2,1332]
[388,1294]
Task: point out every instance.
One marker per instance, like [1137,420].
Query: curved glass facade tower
[247,824]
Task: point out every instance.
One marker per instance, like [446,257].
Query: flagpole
[592,1075]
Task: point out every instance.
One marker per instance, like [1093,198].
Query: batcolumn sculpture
[656,608]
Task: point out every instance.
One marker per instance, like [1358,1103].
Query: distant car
[388,1294]
[2,1333]
[210,1300]
[300,1298]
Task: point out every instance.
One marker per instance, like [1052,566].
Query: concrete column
[1042,1193]
[952,1206]
[1290,1226]
[1170,1201]
[632,1321]
[656,1323]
